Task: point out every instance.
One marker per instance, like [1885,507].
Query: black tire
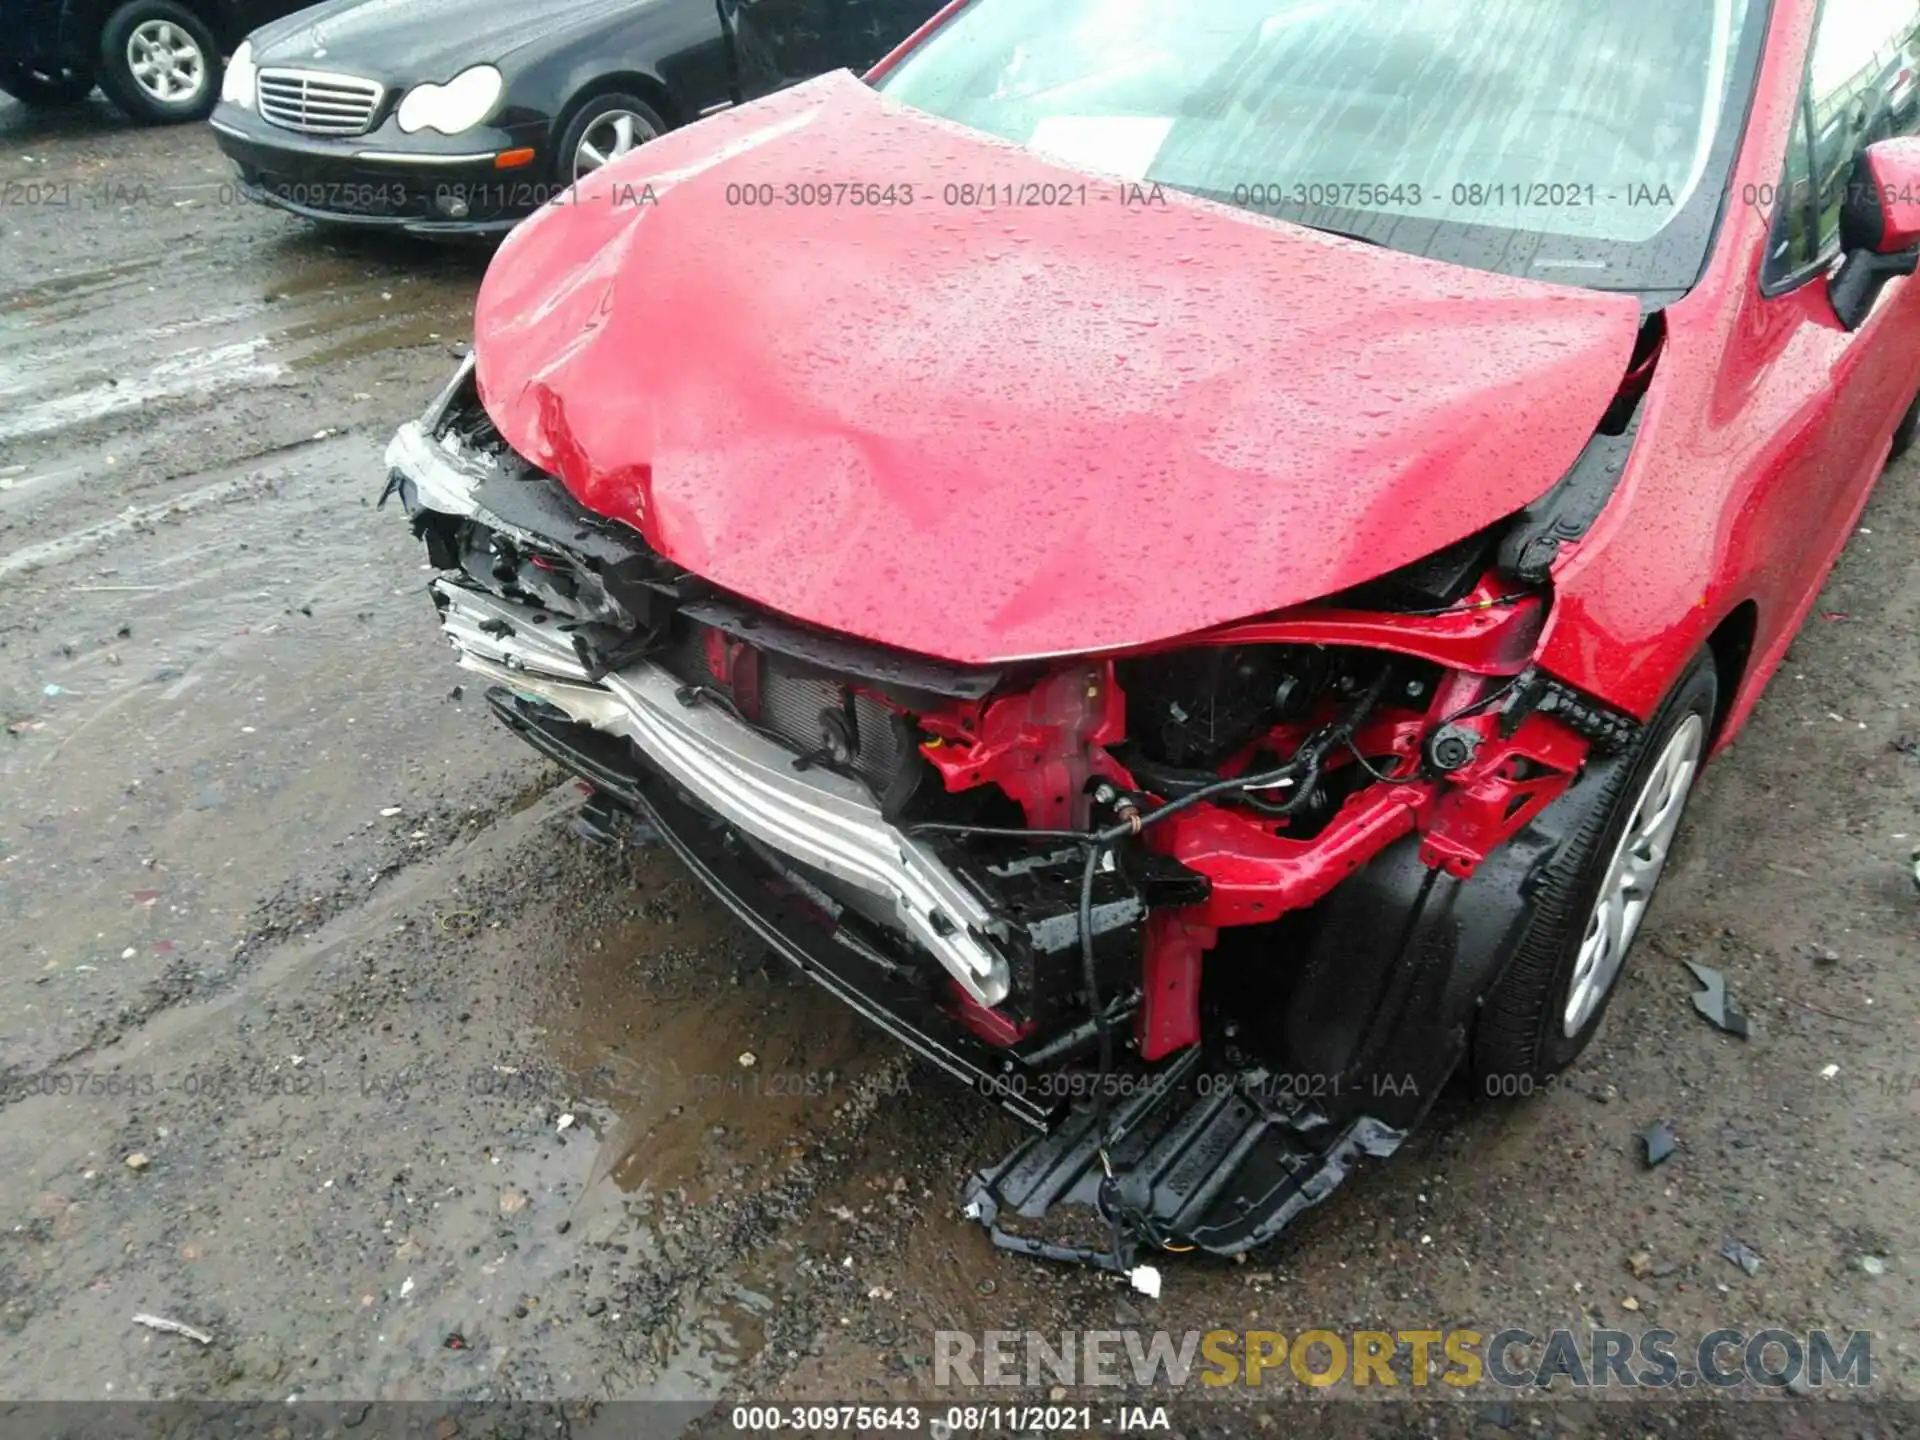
[1520,1037]
[1903,437]
[125,88]
[45,88]
[591,113]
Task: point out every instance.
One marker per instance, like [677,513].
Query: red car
[1185,559]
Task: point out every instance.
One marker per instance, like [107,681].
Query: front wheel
[159,62]
[46,88]
[607,128]
[1593,897]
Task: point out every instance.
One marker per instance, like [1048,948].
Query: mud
[430,1100]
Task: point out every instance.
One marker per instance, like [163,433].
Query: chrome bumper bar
[827,821]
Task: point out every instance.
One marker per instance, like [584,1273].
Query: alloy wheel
[166,62]
[616,133]
[1635,871]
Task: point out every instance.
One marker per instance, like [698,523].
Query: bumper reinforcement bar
[819,818]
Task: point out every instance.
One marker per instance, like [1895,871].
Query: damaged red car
[1185,560]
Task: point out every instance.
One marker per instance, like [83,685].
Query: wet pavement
[324,1036]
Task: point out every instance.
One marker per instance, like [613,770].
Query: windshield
[1584,140]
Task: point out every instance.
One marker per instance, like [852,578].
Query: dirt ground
[321,1033]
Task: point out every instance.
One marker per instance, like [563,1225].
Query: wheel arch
[1731,645]
[637,83]
[210,13]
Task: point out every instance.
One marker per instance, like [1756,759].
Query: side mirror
[1879,227]
[1882,209]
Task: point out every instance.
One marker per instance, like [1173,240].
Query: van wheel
[159,62]
[1546,1006]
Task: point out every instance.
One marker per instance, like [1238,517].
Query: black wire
[1367,765]
[1471,708]
[1090,973]
[998,833]
[1474,707]
[1310,757]
[695,695]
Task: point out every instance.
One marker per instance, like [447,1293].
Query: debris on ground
[1145,1279]
[139,1161]
[1643,1266]
[1660,1142]
[1741,1254]
[1713,1003]
[172,1327]
[1873,1265]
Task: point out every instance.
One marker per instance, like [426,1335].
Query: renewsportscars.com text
[1458,1358]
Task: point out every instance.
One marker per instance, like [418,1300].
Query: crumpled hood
[988,435]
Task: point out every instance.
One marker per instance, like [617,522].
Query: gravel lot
[322,1035]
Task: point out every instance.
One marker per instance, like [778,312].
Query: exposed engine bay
[1211,918]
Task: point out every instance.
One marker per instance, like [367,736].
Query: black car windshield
[1585,141]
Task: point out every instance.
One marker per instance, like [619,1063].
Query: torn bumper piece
[1193,1161]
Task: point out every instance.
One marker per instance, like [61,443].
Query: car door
[1852,386]
[782,42]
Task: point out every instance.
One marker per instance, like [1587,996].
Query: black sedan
[464,116]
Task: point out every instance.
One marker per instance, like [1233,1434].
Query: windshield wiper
[1343,234]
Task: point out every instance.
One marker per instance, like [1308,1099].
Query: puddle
[653,1001]
[702,1060]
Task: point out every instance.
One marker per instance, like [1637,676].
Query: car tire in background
[159,62]
[46,89]
[1591,898]
[607,127]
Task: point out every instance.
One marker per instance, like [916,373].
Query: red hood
[988,435]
